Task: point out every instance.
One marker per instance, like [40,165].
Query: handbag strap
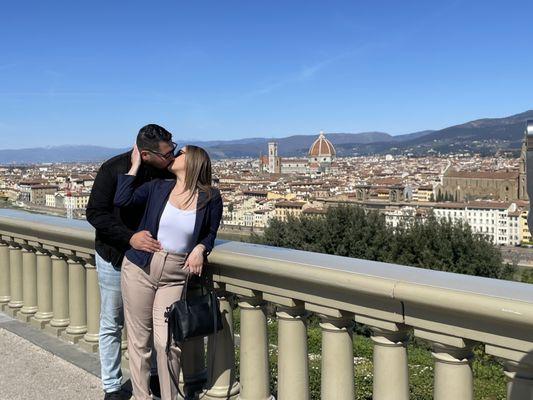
[172,374]
[204,281]
[185,286]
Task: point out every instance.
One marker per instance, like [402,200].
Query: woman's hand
[195,262]
[135,161]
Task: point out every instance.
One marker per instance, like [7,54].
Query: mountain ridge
[483,136]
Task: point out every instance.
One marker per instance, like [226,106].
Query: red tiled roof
[321,147]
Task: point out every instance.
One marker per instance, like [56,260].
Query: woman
[183,215]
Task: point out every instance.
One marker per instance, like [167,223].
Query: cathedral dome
[322,147]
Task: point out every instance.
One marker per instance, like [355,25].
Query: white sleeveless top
[176,227]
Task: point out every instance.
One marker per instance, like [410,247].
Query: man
[115,233]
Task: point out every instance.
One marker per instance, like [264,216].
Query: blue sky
[94,72]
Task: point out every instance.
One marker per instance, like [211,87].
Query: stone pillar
[391,372]
[519,380]
[453,372]
[77,295]
[93,309]
[254,367]
[44,289]
[29,284]
[60,299]
[222,385]
[15,279]
[337,359]
[293,362]
[5,291]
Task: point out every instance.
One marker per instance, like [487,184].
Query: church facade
[477,185]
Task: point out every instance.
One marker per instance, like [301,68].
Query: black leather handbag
[193,317]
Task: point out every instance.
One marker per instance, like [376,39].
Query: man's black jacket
[115,226]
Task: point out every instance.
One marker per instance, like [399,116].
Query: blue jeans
[111,323]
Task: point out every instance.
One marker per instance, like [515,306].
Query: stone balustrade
[48,278]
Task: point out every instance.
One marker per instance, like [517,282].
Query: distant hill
[296,145]
[55,154]
[484,136]
[249,147]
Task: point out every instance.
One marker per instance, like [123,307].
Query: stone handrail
[47,278]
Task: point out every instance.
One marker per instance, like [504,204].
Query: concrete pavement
[29,372]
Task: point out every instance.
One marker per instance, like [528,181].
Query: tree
[353,232]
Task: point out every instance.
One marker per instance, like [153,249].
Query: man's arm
[100,209]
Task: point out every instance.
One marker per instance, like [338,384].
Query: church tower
[522,179]
[274,162]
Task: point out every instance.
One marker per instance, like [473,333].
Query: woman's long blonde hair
[198,173]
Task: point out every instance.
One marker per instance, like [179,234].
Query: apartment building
[498,221]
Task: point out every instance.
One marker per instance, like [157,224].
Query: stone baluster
[45,311]
[293,362]
[60,295]
[453,373]
[5,290]
[519,380]
[29,284]
[222,385]
[337,358]
[518,368]
[90,339]
[15,279]
[453,377]
[254,368]
[77,294]
[391,372]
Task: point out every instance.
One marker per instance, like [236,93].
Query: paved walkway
[35,365]
[29,372]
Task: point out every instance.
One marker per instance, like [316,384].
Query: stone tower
[274,162]
[522,179]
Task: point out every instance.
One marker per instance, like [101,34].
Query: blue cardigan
[154,196]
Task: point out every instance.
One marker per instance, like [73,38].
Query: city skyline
[69,71]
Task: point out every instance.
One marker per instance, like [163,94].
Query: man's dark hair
[150,135]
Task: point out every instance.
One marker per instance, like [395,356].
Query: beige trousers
[147,292]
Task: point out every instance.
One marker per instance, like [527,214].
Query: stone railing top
[442,302]
[392,272]
[45,219]
[51,234]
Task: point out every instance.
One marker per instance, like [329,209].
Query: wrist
[133,170]
[200,248]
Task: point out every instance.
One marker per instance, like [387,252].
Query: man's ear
[145,155]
